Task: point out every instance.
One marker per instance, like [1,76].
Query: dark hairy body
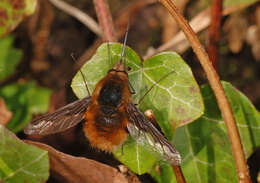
[106,119]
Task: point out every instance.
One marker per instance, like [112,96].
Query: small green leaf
[9,57]
[136,157]
[176,100]
[20,162]
[204,144]
[13,12]
[24,100]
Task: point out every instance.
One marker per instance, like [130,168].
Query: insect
[109,116]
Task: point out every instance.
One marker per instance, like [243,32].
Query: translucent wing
[60,120]
[143,130]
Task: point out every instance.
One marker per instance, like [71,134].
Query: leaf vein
[29,164]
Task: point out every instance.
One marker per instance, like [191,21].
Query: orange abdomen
[101,135]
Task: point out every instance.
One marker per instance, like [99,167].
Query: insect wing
[60,120]
[144,131]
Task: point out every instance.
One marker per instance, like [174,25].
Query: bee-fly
[109,116]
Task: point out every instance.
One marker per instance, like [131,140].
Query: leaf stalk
[105,20]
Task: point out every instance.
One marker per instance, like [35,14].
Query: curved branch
[105,20]
[242,169]
[214,31]
[78,14]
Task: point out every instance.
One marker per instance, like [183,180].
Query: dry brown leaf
[39,26]
[170,27]
[71,169]
[253,35]
[235,29]
[253,39]
[200,22]
[5,114]
[131,177]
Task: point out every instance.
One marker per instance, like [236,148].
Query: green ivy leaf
[24,100]
[204,144]
[13,12]
[20,162]
[176,100]
[9,57]
[138,158]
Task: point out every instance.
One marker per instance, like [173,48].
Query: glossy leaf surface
[20,162]
[204,144]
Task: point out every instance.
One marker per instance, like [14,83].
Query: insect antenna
[162,78]
[125,39]
[110,64]
[123,56]
[84,79]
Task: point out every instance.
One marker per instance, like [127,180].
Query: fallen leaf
[200,22]
[235,29]
[170,27]
[71,169]
[253,39]
[5,114]
[131,177]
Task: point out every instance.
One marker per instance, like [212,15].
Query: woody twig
[105,20]
[240,160]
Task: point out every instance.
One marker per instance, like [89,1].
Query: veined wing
[60,120]
[142,129]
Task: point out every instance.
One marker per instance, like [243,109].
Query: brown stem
[178,173]
[105,20]
[78,14]
[176,169]
[242,170]
[214,34]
